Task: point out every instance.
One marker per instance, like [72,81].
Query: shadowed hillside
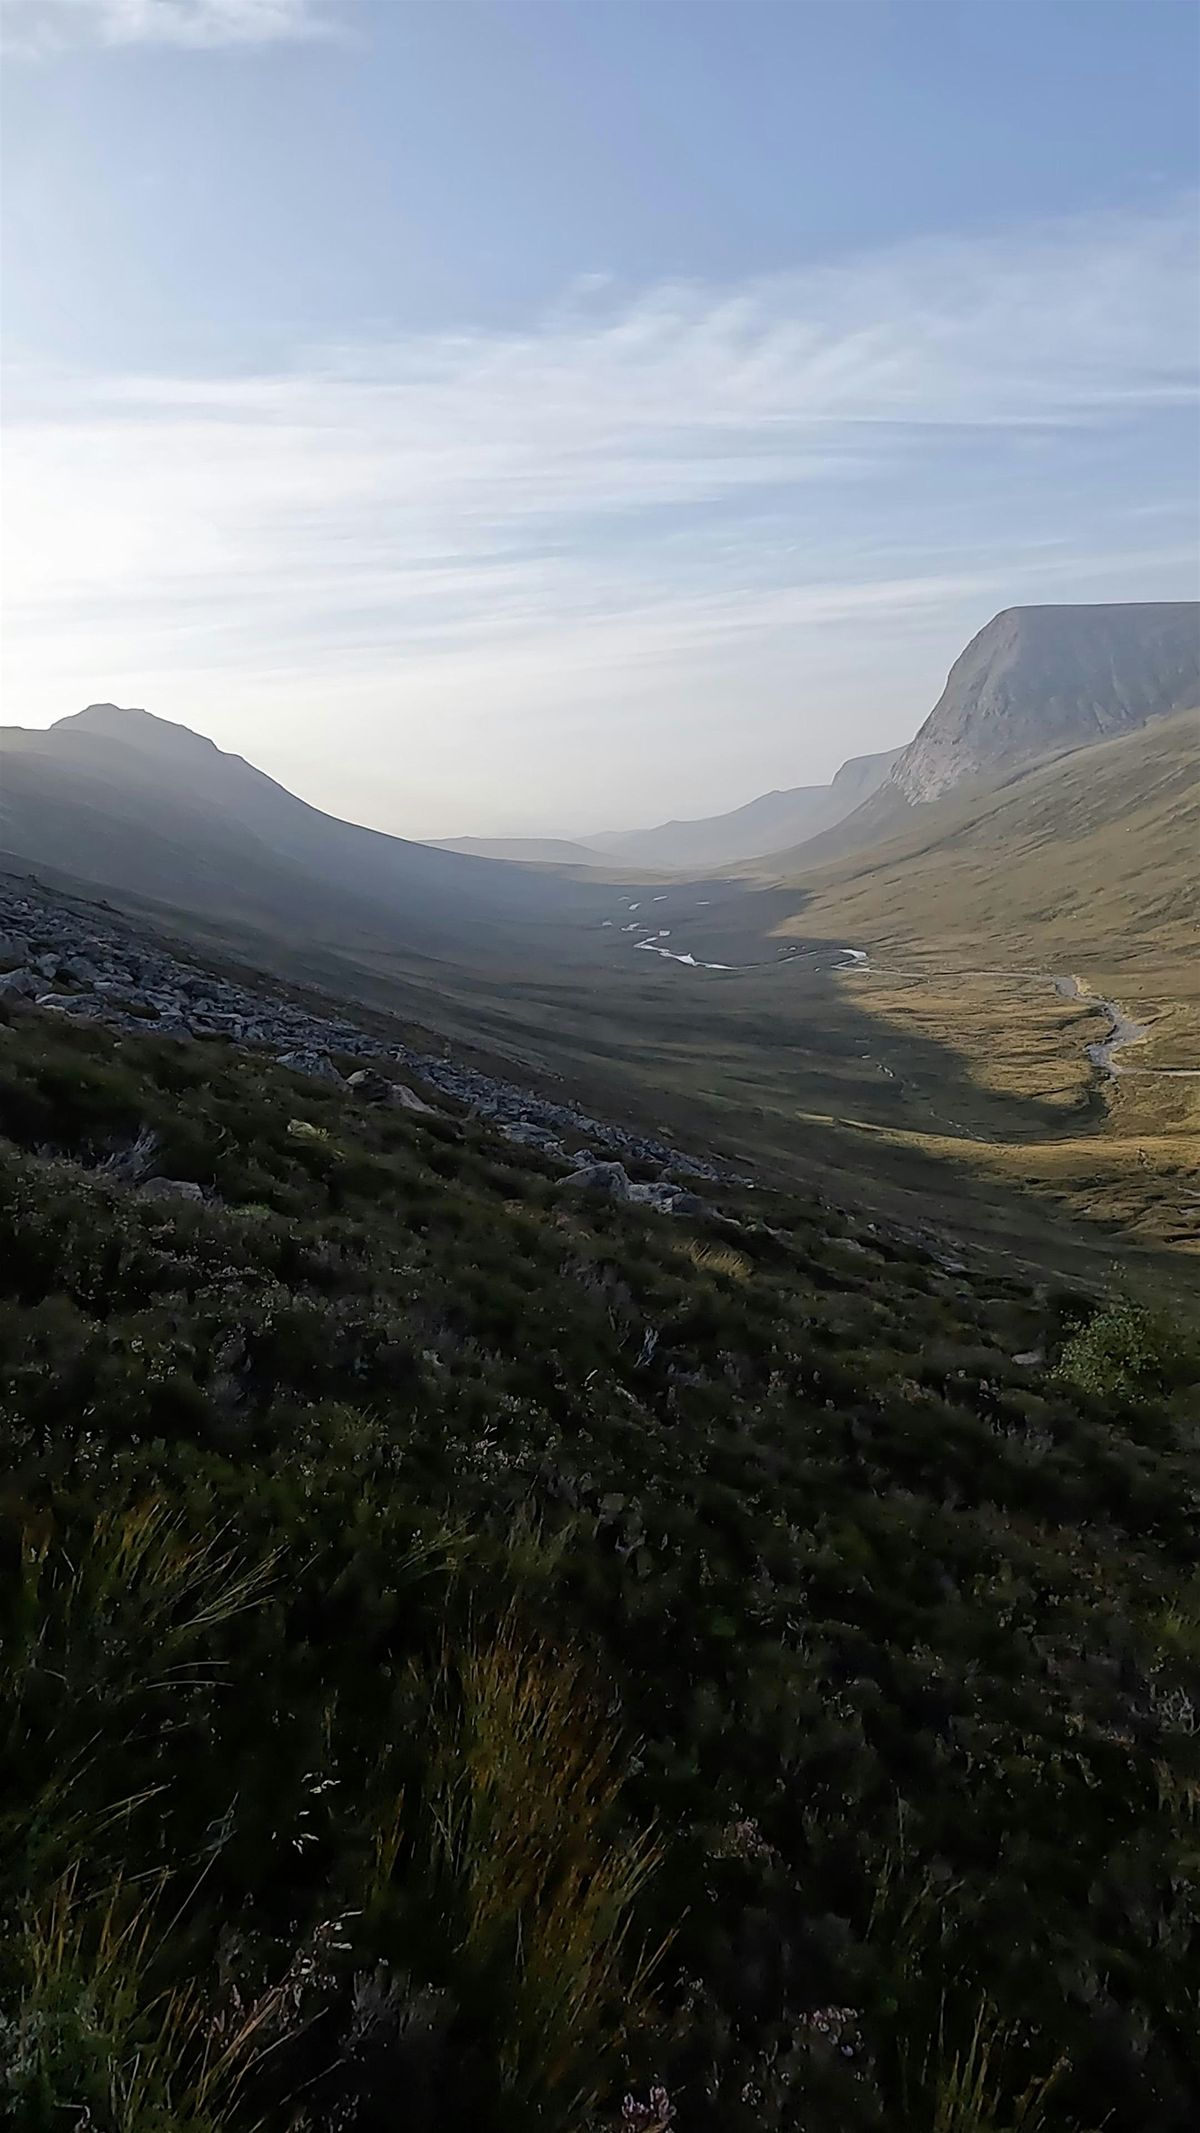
[145,808]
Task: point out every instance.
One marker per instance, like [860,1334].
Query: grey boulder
[68,1003]
[667,1198]
[317,1064]
[408,1100]
[609,1179]
[524,1135]
[372,1087]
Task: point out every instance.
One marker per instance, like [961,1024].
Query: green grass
[421,1684]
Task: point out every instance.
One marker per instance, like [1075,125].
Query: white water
[671,957]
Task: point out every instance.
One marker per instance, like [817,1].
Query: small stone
[172,1189]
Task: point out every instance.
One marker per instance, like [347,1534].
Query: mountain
[770,823]
[1040,679]
[1035,683]
[1094,852]
[148,809]
[527,851]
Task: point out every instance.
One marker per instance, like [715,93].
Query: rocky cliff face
[1041,679]
[858,779]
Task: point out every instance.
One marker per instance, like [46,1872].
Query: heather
[479,1654]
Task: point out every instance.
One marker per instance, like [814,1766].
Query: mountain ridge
[1034,682]
[139,804]
[701,841]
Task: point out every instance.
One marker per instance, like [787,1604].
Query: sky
[518,416]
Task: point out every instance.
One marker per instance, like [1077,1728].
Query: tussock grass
[94,2030]
[982,2086]
[719,1259]
[526,1841]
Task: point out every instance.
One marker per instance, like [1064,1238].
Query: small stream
[1122,1031]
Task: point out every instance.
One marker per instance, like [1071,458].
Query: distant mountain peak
[134,728]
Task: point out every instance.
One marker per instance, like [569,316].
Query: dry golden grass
[719,1259]
[526,1840]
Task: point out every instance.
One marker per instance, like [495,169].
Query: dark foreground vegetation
[476,1657]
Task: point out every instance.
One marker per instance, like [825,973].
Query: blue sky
[540,414]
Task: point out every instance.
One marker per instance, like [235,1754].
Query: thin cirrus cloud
[485,556]
[35,27]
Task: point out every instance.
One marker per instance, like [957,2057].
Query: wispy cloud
[672,501]
[37,28]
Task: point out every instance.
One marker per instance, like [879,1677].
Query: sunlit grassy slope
[1088,866]
[1093,856]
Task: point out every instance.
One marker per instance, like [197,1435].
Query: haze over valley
[1035,841]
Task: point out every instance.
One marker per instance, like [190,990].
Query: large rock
[667,1198]
[19,985]
[524,1135]
[408,1100]
[611,1180]
[172,1189]
[317,1064]
[372,1087]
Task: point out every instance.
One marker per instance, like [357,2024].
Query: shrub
[1125,1350]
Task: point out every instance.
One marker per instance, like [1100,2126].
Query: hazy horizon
[515,418]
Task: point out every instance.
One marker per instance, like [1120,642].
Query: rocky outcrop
[134,985]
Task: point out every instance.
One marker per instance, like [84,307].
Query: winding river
[1122,1030]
